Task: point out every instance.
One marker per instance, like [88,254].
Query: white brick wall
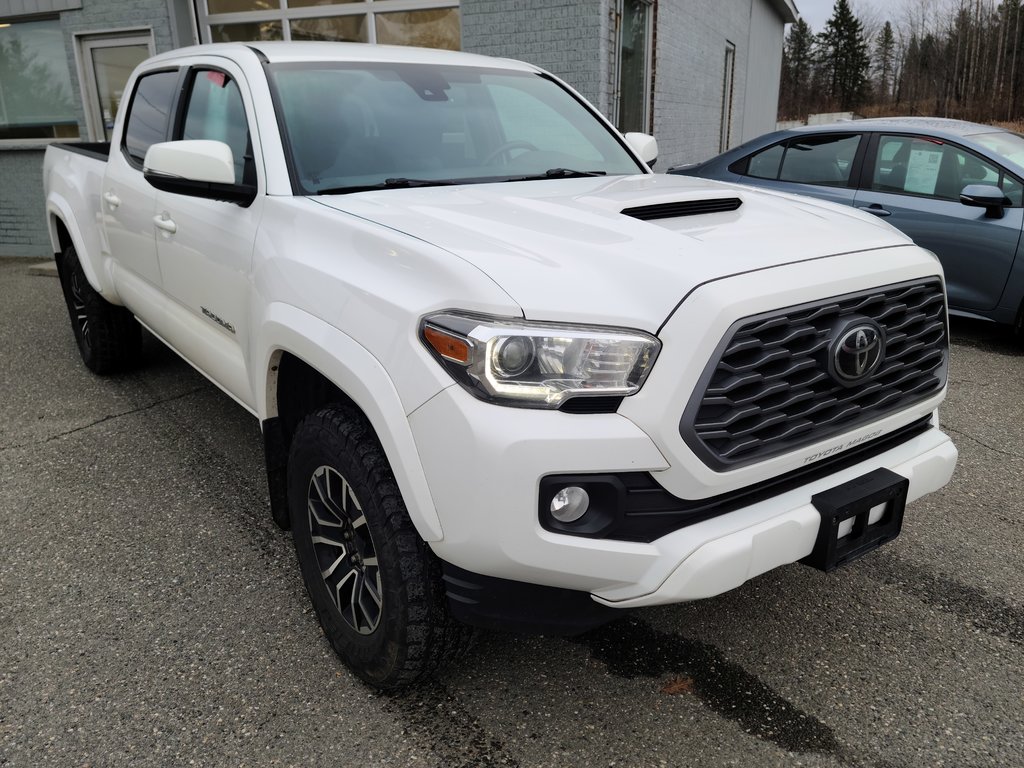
[565,37]
[689,74]
[22,208]
[577,41]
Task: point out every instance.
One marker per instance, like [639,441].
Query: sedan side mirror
[644,145]
[198,168]
[987,196]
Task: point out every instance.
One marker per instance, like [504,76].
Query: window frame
[868,169]
[84,43]
[285,15]
[728,92]
[649,41]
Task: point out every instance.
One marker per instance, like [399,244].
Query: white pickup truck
[506,375]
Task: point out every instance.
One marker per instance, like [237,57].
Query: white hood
[563,250]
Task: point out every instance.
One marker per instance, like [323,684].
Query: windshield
[1008,145]
[354,126]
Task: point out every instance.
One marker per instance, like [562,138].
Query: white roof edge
[279,51]
[786,9]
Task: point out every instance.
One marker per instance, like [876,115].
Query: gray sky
[817,12]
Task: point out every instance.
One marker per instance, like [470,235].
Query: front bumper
[484,464]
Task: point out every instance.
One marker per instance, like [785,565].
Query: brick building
[702,75]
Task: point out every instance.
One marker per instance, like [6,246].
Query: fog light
[570,504]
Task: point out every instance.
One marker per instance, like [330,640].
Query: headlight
[538,365]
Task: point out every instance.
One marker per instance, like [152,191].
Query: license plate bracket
[855,500]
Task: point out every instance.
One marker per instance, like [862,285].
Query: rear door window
[824,160]
[149,114]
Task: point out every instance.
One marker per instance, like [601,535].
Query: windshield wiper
[396,183]
[559,173]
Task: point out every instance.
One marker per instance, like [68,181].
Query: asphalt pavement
[151,614]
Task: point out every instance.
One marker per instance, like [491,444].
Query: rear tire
[373,582]
[109,337]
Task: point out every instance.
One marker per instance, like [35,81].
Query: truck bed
[96,149]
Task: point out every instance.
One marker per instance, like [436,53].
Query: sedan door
[914,183]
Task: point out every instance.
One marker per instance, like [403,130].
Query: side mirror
[198,168]
[644,145]
[987,196]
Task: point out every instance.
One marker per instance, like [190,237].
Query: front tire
[109,337]
[373,582]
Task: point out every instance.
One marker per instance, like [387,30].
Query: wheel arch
[64,231]
[308,364]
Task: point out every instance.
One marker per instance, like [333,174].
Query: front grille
[768,389]
[683,208]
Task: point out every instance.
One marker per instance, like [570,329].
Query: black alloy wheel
[344,549]
[374,583]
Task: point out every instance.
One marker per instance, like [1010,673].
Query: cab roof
[296,51]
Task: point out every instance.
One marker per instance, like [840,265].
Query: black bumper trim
[515,606]
[641,510]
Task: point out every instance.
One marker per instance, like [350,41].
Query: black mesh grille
[683,208]
[771,391]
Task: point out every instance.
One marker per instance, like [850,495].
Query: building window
[427,23]
[728,79]
[634,65]
[105,64]
[35,83]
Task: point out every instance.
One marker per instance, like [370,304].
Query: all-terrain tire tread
[433,638]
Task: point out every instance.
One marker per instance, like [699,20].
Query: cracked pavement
[152,614]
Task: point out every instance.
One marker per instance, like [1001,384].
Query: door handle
[876,209]
[112,200]
[165,223]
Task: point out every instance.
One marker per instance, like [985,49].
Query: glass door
[107,62]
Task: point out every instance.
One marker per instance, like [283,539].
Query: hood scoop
[683,208]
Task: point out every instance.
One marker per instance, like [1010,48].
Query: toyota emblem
[857,353]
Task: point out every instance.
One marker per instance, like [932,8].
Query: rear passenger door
[128,200]
[824,165]
[914,183]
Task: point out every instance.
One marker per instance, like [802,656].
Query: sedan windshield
[1005,144]
[352,127]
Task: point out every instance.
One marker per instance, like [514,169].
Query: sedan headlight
[538,365]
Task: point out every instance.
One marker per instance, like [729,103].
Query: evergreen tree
[843,58]
[797,67]
[885,63]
